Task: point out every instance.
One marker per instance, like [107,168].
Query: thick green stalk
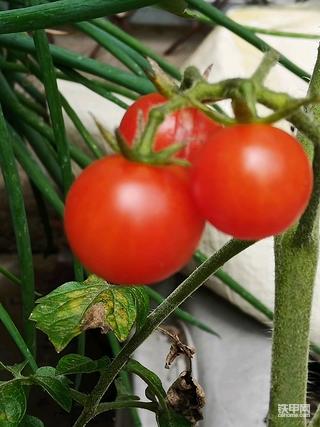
[71,59]
[63,12]
[219,18]
[177,297]
[20,225]
[296,257]
[17,338]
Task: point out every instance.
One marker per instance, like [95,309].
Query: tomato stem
[155,318]
[296,258]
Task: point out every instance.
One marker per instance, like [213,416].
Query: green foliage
[77,306]
[12,403]
[30,421]
[78,364]
[54,384]
[172,419]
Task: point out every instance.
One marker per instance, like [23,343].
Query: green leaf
[12,403]
[15,370]
[172,419]
[30,421]
[77,306]
[122,390]
[77,364]
[55,385]
[143,305]
[153,381]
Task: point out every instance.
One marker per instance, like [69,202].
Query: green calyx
[196,92]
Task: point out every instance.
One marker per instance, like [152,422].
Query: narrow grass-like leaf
[219,18]
[54,103]
[37,176]
[20,225]
[16,336]
[90,141]
[104,40]
[64,12]
[137,45]
[71,59]
[182,314]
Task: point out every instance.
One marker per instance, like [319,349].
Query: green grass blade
[17,338]
[104,40]
[137,46]
[219,18]
[71,59]
[10,276]
[181,314]
[92,144]
[20,225]
[63,12]
[237,287]
[54,104]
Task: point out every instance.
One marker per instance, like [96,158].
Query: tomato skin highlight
[132,223]
[252,181]
[188,125]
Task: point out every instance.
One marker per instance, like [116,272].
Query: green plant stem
[296,258]
[63,12]
[71,59]
[219,18]
[42,149]
[137,46]
[177,297]
[94,86]
[28,87]
[235,286]
[91,143]
[280,33]
[29,117]
[123,404]
[181,314]
[17,338]
[54,104]
[10,276]
[20,225]
[116,348]
[104,40]
[36,175]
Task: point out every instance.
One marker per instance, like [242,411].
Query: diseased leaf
[77,364]
[55,385]
[12,403]
[78,306]
[30,421]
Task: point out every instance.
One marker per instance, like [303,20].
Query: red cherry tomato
[189,126]
[132,223]
[252,181]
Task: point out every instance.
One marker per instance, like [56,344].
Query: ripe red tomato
[132,223]
[189,126]
[252,181]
